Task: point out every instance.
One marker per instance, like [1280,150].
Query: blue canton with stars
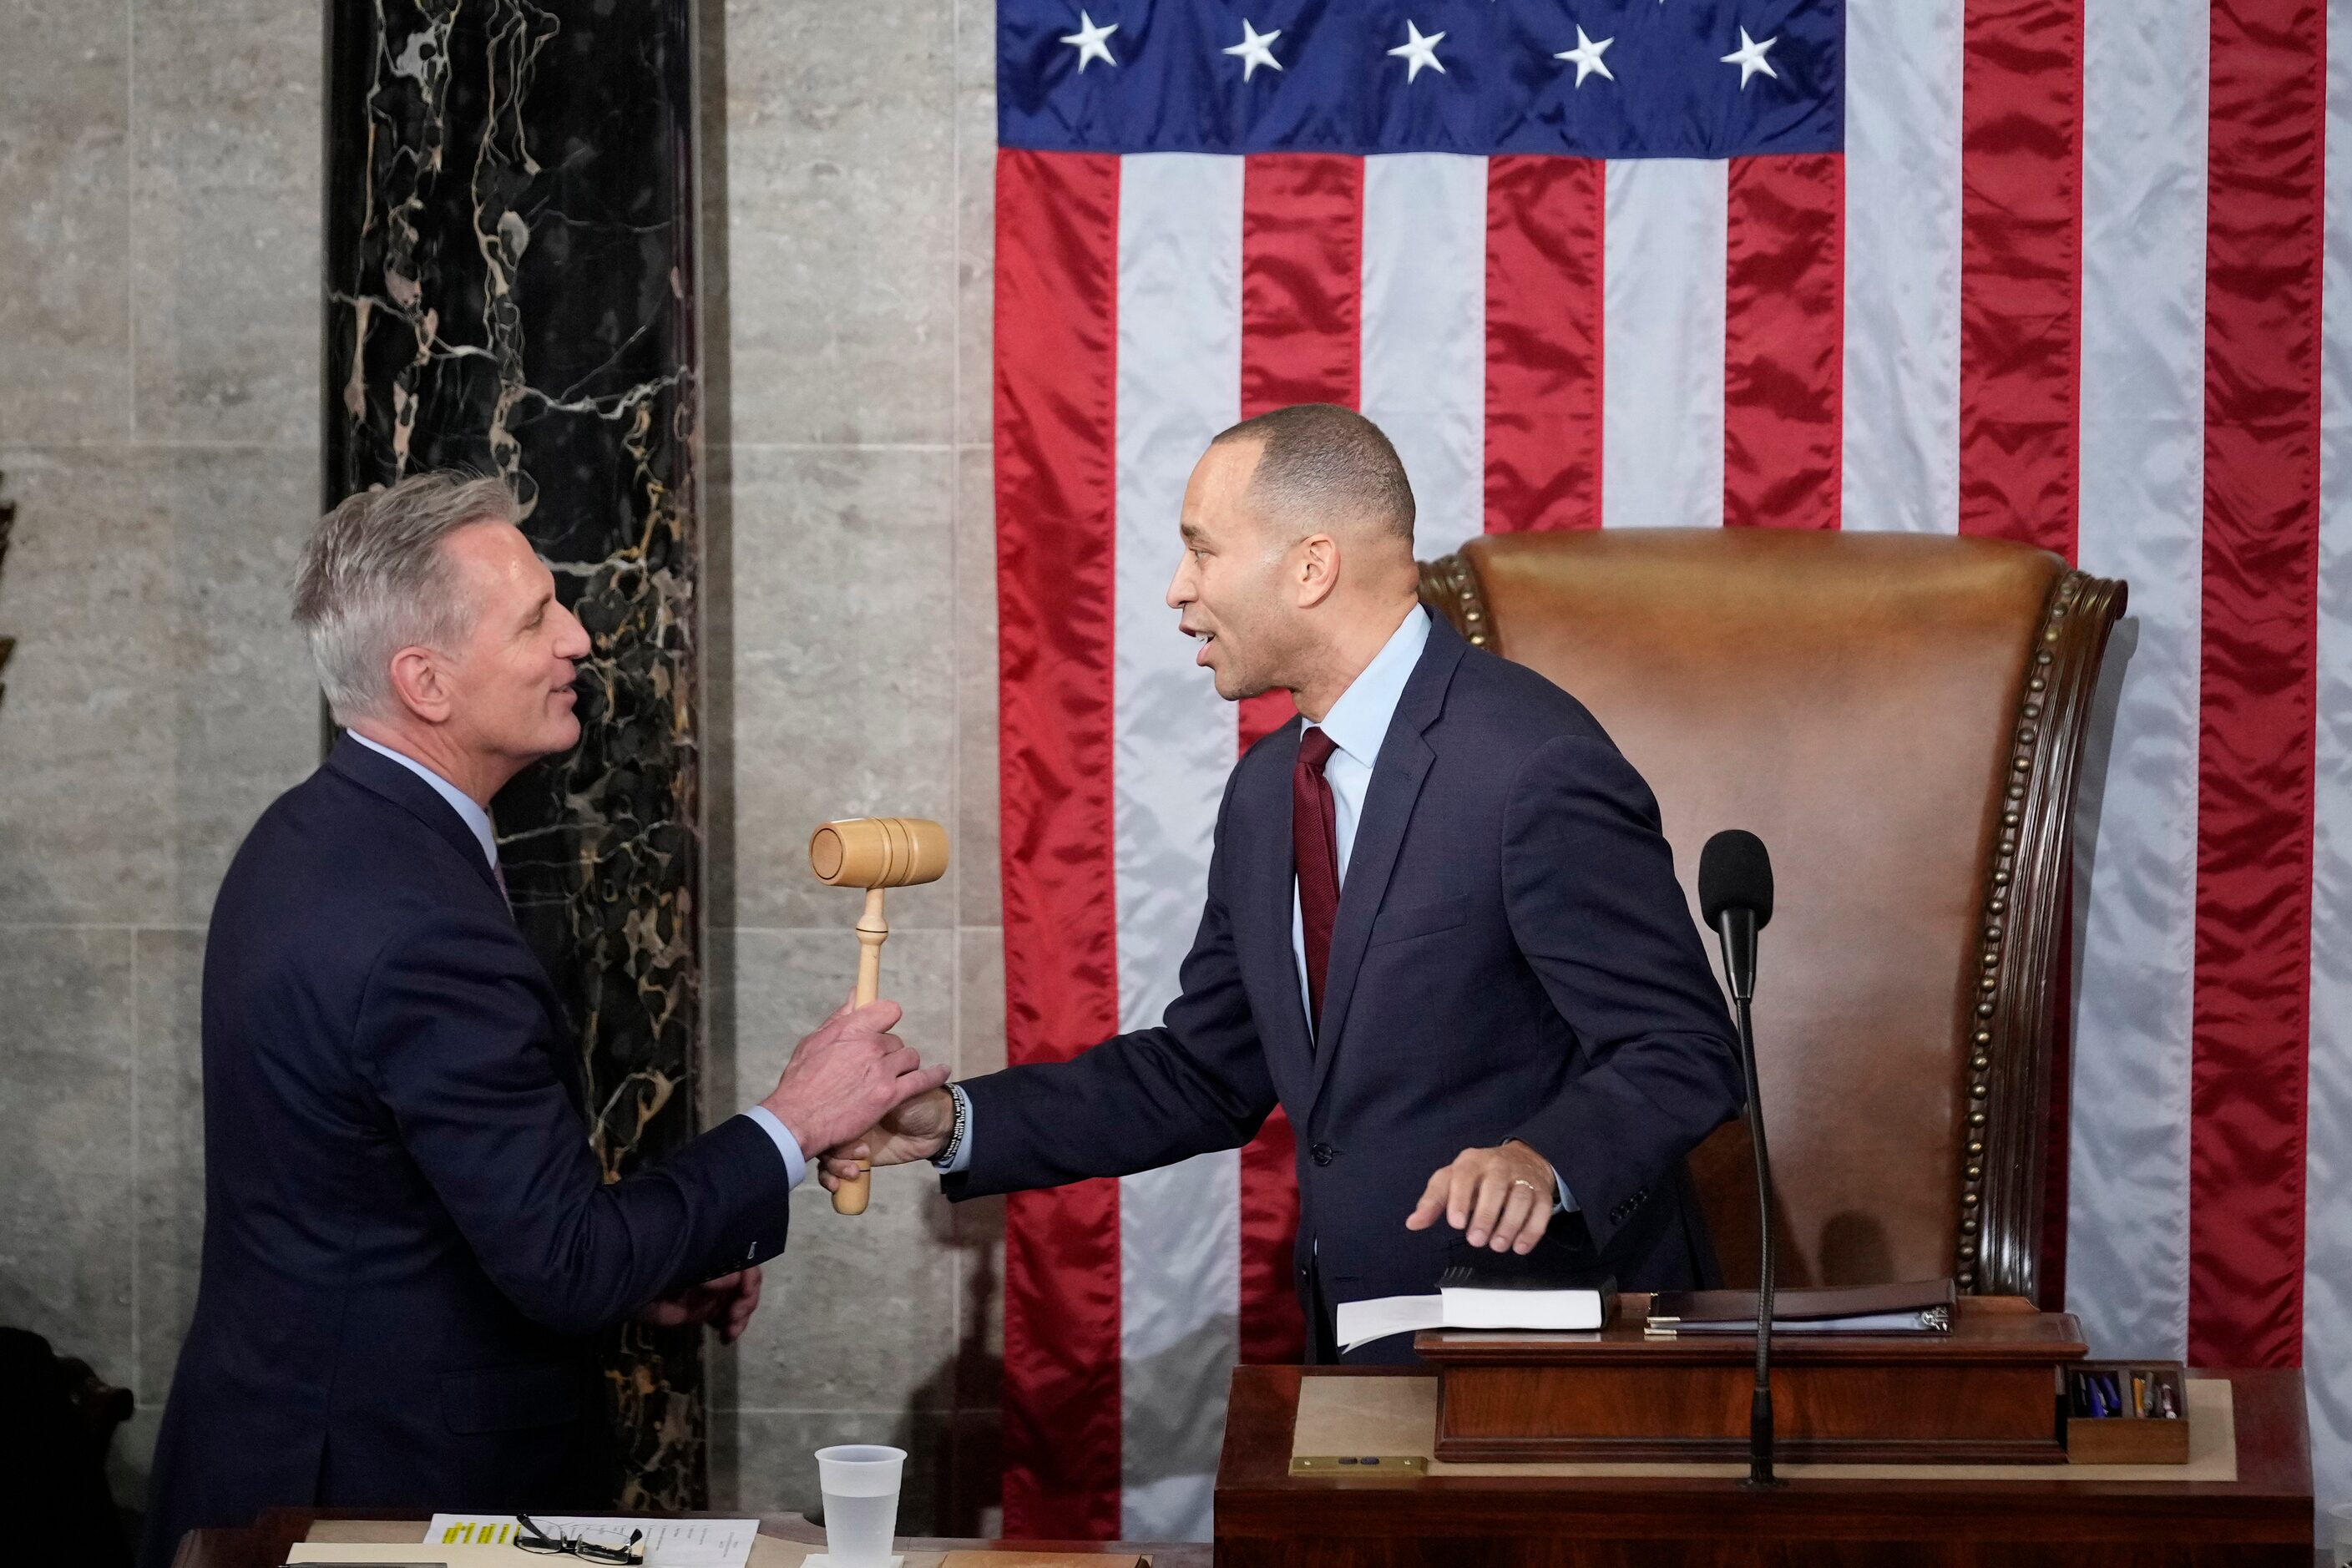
[1595,79]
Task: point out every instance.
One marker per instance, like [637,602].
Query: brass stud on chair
[2036,715]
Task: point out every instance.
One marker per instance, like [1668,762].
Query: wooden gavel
[874,853]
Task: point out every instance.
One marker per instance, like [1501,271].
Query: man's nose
[573,643]
[1180,588]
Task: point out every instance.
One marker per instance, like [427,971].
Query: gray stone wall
[847,175]
[159,213]
[159,428]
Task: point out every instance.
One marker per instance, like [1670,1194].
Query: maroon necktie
[1314,846]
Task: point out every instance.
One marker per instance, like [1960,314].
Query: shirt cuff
[963,1151]
[795,1163]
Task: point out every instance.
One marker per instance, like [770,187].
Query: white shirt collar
[1359,722]
[467,807]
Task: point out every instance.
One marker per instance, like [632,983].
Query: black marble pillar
[509,277]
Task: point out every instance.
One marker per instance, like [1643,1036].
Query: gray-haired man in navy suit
[1442,929]
[409,1249]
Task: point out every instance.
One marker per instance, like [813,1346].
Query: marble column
[510,276]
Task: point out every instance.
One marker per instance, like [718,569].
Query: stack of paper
[1460,1304]
[489,1538]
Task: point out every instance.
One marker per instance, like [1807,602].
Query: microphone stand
[1737,927]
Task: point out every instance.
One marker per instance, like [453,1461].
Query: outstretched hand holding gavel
[874,853]
[848,1075]
[917,1128]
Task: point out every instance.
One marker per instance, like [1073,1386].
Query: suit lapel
[380,775]
[1267,896]
[1397,777]
[565,1044]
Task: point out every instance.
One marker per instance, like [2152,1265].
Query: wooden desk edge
[1257,1498]
[275,1530]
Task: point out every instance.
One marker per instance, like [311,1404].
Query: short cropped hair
[1322,463]
[374,579]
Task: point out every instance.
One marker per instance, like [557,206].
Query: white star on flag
[1749,58]
[1255,50]
[1090,41]
[1418,51]
[1586,56]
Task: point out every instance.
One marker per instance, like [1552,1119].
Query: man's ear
[1318,568]
[421,684]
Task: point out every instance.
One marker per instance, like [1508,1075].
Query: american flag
[2064,272]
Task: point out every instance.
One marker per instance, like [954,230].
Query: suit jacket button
[1322,1154]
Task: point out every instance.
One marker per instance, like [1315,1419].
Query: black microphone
[1735,894]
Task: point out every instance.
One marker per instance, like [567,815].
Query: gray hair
[1322,463]
[373,579]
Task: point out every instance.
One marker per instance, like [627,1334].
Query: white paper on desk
[1362,1322]
[669,1542]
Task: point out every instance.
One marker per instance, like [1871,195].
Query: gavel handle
[873,930]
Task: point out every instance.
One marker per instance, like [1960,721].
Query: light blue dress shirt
[1358,724]
[478,822]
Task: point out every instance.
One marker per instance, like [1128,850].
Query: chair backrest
[1900,719]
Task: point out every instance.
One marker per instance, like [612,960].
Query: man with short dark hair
[410,1249]
[1443,930]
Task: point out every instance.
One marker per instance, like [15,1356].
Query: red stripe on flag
[1302,313]
[1273,1332]
[1302,280]
[2256,764]
[1056,315]
[1302,307]
[1545,223]
[2021,269]
[1784,341]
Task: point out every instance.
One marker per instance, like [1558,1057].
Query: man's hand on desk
[916,1129]
[725,1303]
[1504,1196]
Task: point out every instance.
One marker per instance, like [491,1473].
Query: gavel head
[878,852]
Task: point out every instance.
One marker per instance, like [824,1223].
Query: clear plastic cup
[860,1483]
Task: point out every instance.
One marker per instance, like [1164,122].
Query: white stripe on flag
[2141,519]
[1424,334]
[1174,741]
[1663,305]
[2327,1230]
[1902,268]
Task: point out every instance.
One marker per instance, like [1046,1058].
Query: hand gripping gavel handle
[873,930]
[874,853]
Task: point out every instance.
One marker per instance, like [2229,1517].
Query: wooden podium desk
[1266,1516]
[264,1543]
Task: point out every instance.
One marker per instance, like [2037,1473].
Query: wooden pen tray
[2138,1435]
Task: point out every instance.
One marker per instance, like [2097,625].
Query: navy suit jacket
[410,1250]
[1513,957]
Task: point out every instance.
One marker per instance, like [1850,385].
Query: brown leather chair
[1900,717]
